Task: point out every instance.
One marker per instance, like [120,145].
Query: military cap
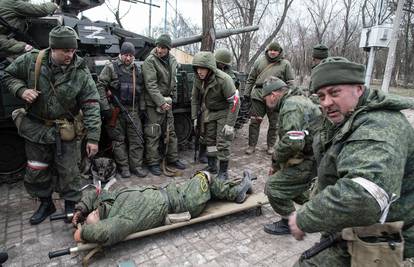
[320,51]
[127,48]
[336,70]
[272,84]
[63,37]
[164,40]
[275,46]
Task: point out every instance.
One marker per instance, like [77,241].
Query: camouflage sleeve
[151,84]
[232,97]
[15,75]
[289,74]
[88,202]
[103,84]
[376,152]
[292,119]
[11,45]
[88,99]
[251,79]
[28,9]
[194,101]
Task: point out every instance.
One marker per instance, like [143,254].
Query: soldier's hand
[77,218]
[294,229]
[30,95]
[271,171]
[28,48]
[165,106]
[91,149]
[77,235]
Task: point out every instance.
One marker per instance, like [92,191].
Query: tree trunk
[209,33]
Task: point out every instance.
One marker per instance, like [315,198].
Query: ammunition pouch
[379,245]
[152,130]
[70,130]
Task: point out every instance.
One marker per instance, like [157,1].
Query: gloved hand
[228,131]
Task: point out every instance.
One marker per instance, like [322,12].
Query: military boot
[278,228]
[140,172]
[125,173]
[212,165]
[222,174]
[244,187]
[69,208]
[45,209]
[155,169]
[250,150]
[202,154]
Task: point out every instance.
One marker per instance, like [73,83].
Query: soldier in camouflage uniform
[114,214]
[365,156]
[293,163]
[16,14]
[214,101]
[116,77]
[272,63]
[159,70]
[319,53]
[64,88]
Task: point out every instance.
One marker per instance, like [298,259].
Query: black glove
[107,114]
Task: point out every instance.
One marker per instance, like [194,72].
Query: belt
[46,122]
[166,198]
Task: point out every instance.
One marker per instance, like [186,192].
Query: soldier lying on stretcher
[114,214]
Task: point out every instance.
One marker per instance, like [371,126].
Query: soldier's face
[338,101]
[273,53]
[202,73]
[162,51]
[63,56]
[316,61]
[93,217]
[127,59]
[272,99]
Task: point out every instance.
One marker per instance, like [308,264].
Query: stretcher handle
[58,253]
[61,216]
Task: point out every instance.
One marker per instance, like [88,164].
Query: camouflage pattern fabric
[259,109]
[16,13]
[129,210]
[375,142]
[293,156]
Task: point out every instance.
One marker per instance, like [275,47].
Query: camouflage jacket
[281,68]
[73,90]
[16,12]
[215,96]
[160,79]
[376,142]
[298,118]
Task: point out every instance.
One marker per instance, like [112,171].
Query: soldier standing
[15,14]
[214,105]
[293,163]
[272,63]
[159,70]
[123,79]
[365,158]
[56,92]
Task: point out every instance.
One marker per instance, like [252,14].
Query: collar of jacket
[165,60]
[121,64]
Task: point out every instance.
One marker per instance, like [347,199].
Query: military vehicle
[98,42]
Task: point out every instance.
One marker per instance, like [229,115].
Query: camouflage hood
[205,59]
[376,99]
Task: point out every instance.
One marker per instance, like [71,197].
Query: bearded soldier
[293,163]
[214,107]
[272,63]
[159,70]
[56,85]
[365,190]
[122,78]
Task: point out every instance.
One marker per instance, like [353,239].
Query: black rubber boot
[244,186]
[155,169]
[202,154]
[212,165]
[3,257]
[69,208]
[45,209]
[222,174]
[278,228]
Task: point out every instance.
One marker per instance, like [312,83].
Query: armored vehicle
[98,42]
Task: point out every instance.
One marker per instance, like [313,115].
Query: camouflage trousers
[218,145]
[154,131]
[46,171]
[289,185]
[259,110]
[127,148]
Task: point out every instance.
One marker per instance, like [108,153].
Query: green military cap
[164,40]
[63,37]
[272,84]
[223,55]
[275,46]
[336,70]
[320,51]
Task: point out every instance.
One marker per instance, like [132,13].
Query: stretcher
[214,209]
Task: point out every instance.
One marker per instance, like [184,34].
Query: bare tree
[322,13]
[116,12]
[209,33]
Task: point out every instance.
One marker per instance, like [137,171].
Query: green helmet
[223,56]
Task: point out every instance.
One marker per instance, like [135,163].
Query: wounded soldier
[114,214]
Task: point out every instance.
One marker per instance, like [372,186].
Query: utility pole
[150,4]
[165,17]
[393,45]
[149,17]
